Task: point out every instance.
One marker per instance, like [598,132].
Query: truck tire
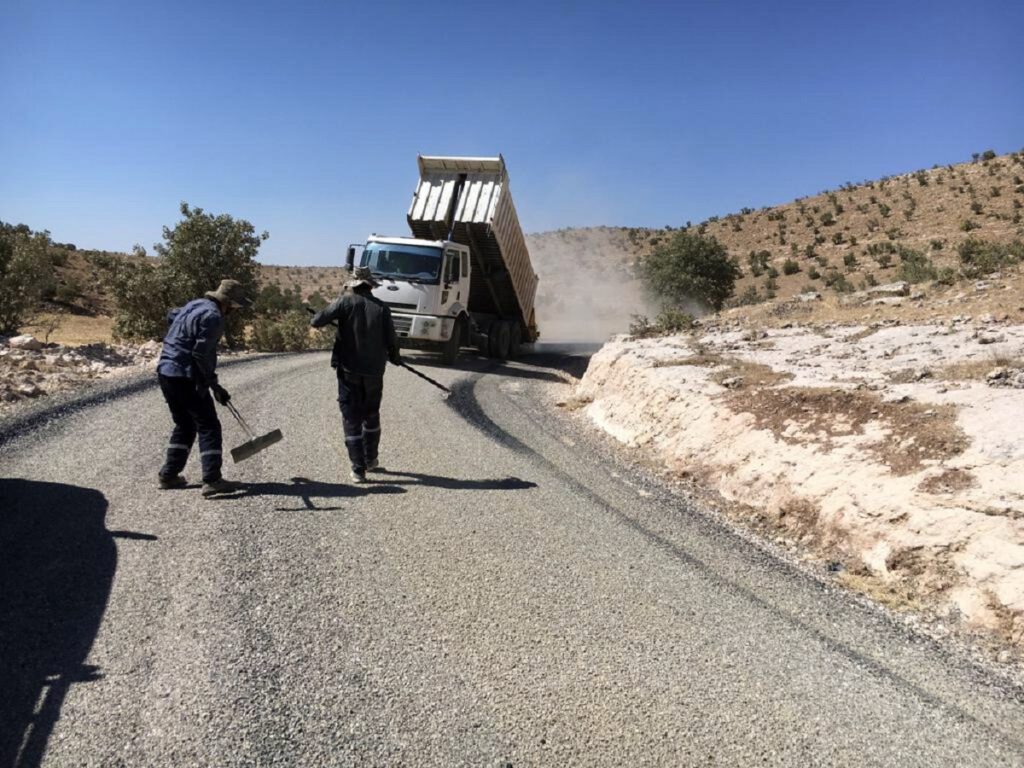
[450,350]
[498,340]
[515,340]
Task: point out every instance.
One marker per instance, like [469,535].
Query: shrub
[988,154]
[669,321]
[813,273]
[690,267]
[967,225]
[790,267]
[748,297]
[850,261]
[197,253]
[936,244]
[838,282]
[979,257]
[827,219]
[915,267]
[68,291]
[976,208]
[26,273]
[288,332]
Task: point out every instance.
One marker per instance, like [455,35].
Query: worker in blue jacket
[187,371]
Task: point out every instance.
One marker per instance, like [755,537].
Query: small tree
[203,249]
[691,267]
[197,253]
[26,273]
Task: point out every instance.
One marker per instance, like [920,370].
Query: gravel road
[504,594]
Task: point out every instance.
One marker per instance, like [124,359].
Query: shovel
[255,444]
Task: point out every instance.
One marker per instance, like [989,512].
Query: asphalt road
[506,593]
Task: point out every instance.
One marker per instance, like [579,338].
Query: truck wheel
[498,338]
[450,350]
[515,340]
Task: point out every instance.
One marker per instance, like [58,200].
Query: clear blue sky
[306,117]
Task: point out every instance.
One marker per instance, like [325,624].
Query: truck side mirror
[350,258]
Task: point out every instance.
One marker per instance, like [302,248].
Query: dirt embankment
[894,450]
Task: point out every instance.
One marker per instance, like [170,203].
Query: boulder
[900,288]
[26,341]
[28,390]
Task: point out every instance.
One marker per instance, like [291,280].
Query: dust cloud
[587,291]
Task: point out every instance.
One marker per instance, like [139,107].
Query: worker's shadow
[58,563]
[454,484]
[307,490]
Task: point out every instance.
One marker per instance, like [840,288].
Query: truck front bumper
[423,327]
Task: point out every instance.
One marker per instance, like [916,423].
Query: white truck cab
[424,282]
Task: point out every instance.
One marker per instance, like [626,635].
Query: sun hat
[362,276]
[230,292]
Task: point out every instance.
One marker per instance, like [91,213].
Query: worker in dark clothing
[363,344]
[187,371]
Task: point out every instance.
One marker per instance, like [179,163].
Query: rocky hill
[835,242]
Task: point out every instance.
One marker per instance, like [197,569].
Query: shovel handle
[426,378]
[238,417]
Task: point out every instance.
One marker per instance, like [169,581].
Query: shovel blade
[252,447]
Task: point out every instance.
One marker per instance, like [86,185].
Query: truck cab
[426,285]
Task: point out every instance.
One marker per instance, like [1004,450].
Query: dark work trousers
[359,398]
[193,413]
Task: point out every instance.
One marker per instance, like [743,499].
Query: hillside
[838,241]
[835,242]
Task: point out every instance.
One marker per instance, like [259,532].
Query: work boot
[174,481]
[372,464]
[215,487]
[358,476]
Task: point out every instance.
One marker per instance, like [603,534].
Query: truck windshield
[414,263]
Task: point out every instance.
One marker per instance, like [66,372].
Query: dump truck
[464,277]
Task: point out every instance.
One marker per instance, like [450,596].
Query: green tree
[197,253]
[26,273]
[203,249]
[691,267]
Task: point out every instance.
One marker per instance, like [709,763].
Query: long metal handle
[241,422]
[426,378]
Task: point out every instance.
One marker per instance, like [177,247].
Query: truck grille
[399,305]
[403,324]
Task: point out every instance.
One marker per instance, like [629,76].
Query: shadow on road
[305,489]
[58,566]
[571,359]
[454,484]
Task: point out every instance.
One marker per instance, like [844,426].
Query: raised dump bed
[467,200]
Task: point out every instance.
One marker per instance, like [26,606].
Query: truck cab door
[454,290]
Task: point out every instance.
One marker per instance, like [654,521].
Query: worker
[187,371]
[364,342]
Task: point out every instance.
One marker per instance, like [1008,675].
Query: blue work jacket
[190,346]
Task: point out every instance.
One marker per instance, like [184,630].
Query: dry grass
[977,370]
[746,374]
[949,481]
[916,433]
[71,329]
